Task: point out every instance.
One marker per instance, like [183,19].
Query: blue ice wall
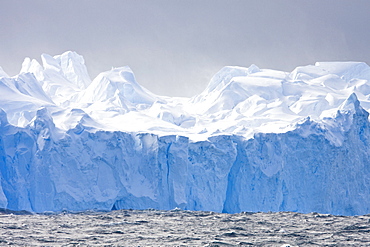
[82,170]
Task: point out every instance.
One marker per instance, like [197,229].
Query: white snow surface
[72,143]
[238,100]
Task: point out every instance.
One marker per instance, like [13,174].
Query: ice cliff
[254,140]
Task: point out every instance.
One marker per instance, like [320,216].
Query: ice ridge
[253,140]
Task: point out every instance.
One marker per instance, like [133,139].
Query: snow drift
[254,140]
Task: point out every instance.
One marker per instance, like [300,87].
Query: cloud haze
[174,47]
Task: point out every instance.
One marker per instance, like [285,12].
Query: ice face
[254,140]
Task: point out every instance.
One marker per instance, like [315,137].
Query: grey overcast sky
[175,46]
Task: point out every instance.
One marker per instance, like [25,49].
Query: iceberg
[253,140]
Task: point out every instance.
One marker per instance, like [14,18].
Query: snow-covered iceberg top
[240,101]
